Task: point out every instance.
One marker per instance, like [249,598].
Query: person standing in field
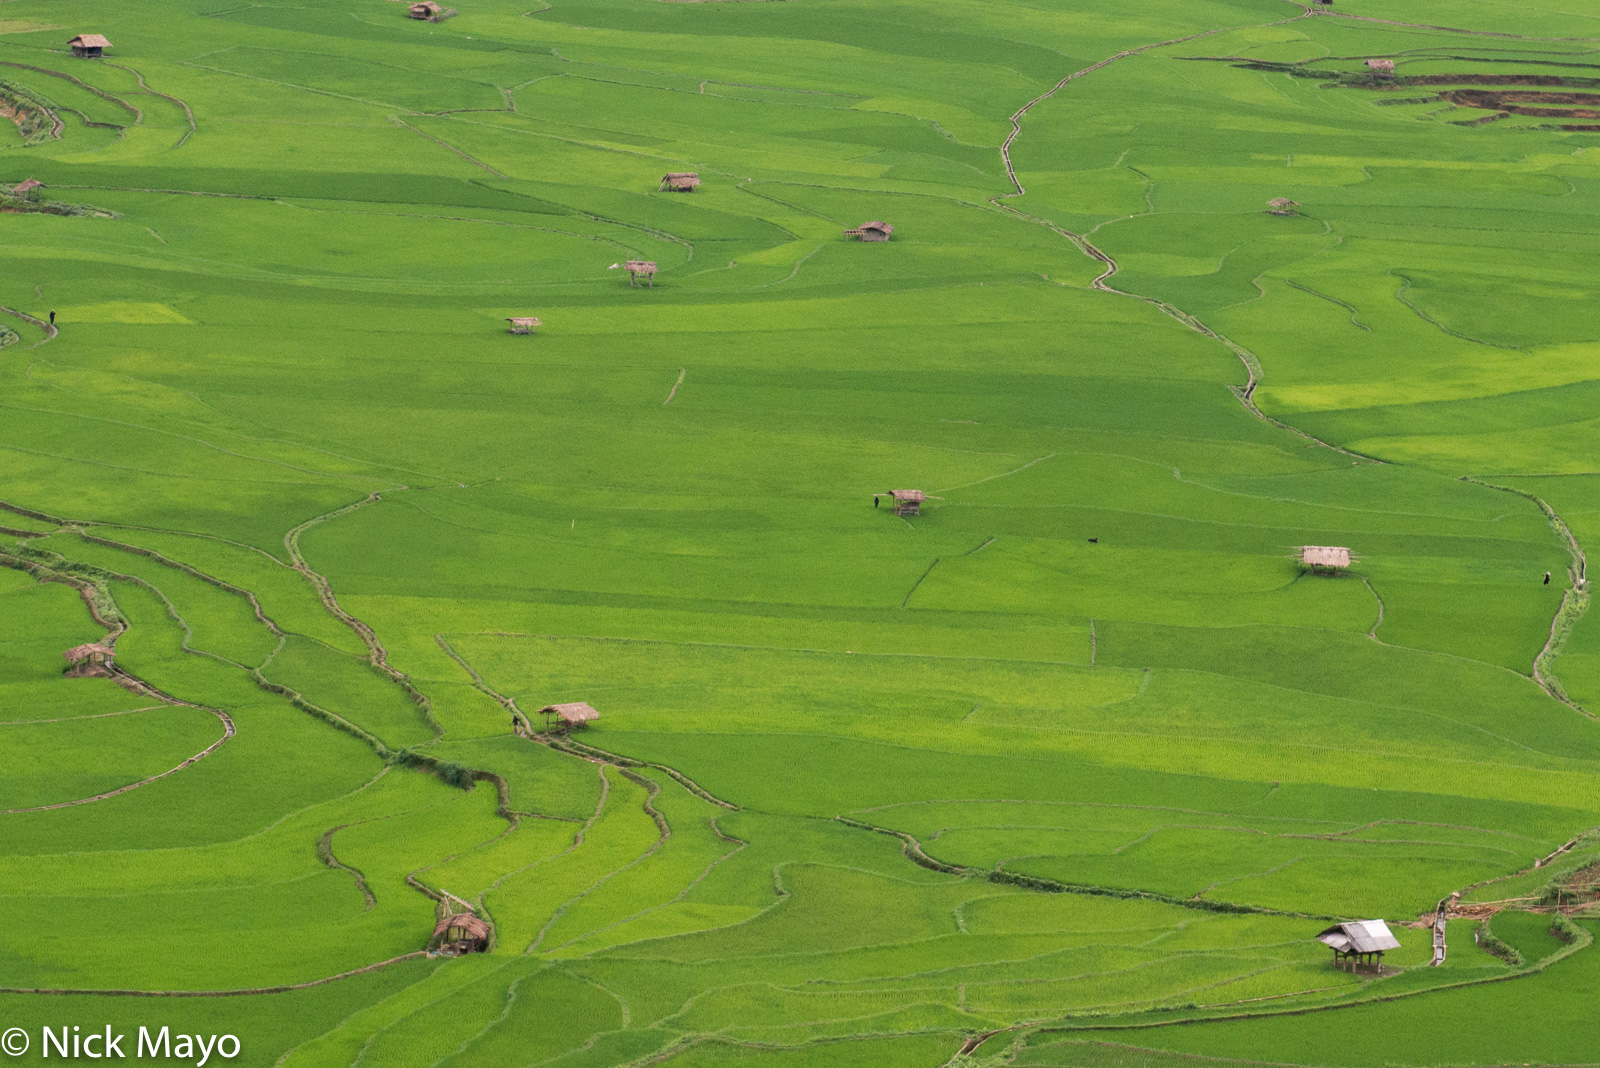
[52,317]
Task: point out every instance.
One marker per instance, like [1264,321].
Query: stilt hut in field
[1281,206]
[461,933]
[1362,943]
[1327,559]
[638,269]
[89,661]
[575,714]
[907,502]
[89,45]
[680,181]
[428,11]
[1381,68]
[523,324]
[26,186]
[876,230]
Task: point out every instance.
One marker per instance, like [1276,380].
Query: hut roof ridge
[572,711]
[1360,936]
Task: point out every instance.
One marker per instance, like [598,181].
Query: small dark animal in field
[1094,541]
[1547,578]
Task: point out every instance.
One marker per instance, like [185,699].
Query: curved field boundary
[1252,365]
[377,655]
[589,752]
[187,111]
[286,988]
[115,629]
[914,852]
[227,732]
[50,333]
[1574,603]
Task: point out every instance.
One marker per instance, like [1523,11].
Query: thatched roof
[1325,556]
[469,925]
[876,225]
[1362,936]
[89,40]
[574,712]
[1281,202]
[524,320]
[641,266]
[908,495]
[26,185]
[84,652]
[425,7]
[1381,66]
[680,179]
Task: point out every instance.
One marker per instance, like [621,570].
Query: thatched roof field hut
[428,11]
[26,186]
[89,45]
[523,324]
[876,230]
[89,661]
[573,714]
[1360,942]
[1281,206]
[680,181]
[1381,67]
[638,269]
[461,933]
[908,502]
[1330,558]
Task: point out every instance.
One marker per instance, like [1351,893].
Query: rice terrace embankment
[444,693]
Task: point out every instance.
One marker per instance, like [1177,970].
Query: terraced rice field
[1069,769]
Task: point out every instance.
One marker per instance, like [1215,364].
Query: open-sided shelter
[572,714]
[1281,206]
[908,502]
[638,269]
[1329,558]
[91,660]
[461,933]
[1381,67]
[680,181]
[26,186]
[1359,942]
[523,324]
[876,230]
[89,45]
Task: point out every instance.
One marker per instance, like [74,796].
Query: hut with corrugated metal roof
[1361,943]
[680,181]
[638,269]
[523,324]
[1329,559]
[91,660]
[463,932]
[570,715]
[876,230]
[1383,68]
[1281,206]
[89,45]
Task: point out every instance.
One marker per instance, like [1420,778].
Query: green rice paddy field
[1077,762]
